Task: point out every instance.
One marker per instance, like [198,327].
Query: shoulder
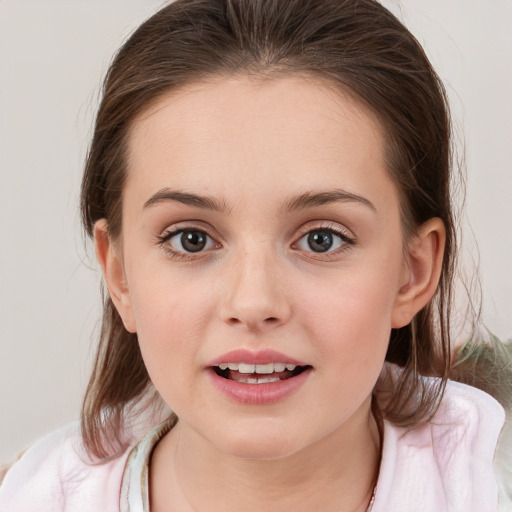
[489,428]
[55,475]
[503,465]
[447,463]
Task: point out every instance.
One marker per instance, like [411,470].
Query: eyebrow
[204,202]
[301,202]
[312,199]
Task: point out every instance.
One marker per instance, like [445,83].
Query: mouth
[247,373]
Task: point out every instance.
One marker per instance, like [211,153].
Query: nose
[254,294]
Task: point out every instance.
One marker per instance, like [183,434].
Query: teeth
[262,369]
[264,380]
[260,380]
[246,368]
[265,368]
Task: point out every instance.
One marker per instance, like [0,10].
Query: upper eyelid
[307,227]
[179,227]
[170,233]
[326,225]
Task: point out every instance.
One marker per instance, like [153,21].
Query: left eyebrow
[312,199]
[204,202]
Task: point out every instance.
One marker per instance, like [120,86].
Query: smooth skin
[257,149]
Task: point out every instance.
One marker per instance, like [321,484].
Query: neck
[337,473]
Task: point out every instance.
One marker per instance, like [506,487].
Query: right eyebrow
[204,202]
[312,199]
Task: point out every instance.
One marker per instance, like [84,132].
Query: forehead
[235,135]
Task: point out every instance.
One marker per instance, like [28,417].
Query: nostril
[254,324]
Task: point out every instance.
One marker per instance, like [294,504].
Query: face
[262,260]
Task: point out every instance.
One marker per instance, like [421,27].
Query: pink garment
[444,466]
[447,465]
[52,477]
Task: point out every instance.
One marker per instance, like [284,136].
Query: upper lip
[267,356]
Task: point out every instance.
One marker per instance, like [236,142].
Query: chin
[257,442]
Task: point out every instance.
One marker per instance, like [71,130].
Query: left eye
[321,240]
[190,240]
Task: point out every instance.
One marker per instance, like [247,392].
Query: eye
[323,240]
[187,241]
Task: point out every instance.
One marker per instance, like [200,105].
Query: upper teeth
[257,368]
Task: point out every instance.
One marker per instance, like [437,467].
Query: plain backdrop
[53,55]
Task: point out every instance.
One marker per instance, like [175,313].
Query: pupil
[193,241]
[320,241]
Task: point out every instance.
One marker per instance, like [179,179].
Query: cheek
[171,315]
[351,327]
[350,314]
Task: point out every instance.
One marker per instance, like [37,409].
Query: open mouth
[258,373]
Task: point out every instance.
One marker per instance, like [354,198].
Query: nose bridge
[254,292]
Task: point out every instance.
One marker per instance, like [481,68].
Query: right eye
[187,241]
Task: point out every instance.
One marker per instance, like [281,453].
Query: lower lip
[258,394]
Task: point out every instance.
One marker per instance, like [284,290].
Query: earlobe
[112,267]
[422,271]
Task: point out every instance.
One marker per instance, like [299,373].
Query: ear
[112,266]
[422,270]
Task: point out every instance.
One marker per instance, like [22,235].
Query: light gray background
[52,57]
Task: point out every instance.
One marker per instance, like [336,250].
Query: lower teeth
[258,378]
[261,380]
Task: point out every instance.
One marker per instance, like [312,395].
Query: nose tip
[255,300]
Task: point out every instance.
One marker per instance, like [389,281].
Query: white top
[444,466]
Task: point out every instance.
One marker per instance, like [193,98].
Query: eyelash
[164,238]
[347,241]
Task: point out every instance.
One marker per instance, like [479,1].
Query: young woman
[268,190]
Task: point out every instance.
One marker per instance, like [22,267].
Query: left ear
[422,270]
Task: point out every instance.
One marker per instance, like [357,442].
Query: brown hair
[355,44]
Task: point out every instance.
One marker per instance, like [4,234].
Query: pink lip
[267,356]
[257,394]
